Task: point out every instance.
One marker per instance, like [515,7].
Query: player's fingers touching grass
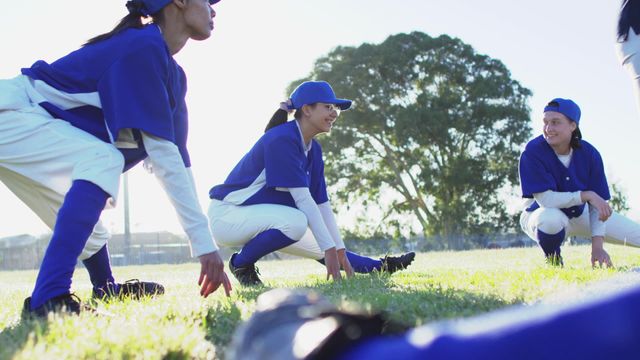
[348,270]
[332,264]
[344,263]
[226,284]
[212,274]
[600,258]
[209,288]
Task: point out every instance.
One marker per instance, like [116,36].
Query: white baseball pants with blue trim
[234,226]
[619,229]
[41,156]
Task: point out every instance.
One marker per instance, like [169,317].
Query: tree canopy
[435,133]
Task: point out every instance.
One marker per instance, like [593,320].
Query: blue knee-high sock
[550,243]
[361,264]
[99,268]
[77,216]
[264,243]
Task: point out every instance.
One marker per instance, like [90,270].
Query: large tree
[435,129]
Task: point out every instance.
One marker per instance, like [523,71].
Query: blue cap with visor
[565,107]
[311,92]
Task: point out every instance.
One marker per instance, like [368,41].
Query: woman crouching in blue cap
[563,178]
[70,128]
[278,189]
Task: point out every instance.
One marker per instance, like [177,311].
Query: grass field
[181,325]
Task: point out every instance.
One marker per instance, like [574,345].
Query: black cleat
[554,260]
[392,264]
[246,275]
[134,289]
[63,304]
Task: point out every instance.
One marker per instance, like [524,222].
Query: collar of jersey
[306,147]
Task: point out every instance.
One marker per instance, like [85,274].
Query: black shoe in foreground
[246,275]
[392,264]
[555,260]
[63,304]
[134,289]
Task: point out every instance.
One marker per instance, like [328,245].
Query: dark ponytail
[576,136]
[135,19]
[279,117]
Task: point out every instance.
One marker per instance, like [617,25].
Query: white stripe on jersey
[40,91]
[239,196]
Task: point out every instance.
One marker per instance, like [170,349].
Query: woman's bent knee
[296,225]
[550,221]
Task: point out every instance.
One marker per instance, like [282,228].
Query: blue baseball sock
[264,243]
[550,243]
[77,216]
[99,268]
[361,264]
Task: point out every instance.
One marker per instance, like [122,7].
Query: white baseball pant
[619,229]
[234,225]
[41,156]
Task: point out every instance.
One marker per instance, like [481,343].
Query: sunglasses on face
[332,108]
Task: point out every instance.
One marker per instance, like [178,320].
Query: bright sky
[237,78]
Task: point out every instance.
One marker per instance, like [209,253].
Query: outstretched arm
[304,201]
[330,220]
[178,184]
[599,255]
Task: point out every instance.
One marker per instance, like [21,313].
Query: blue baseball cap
[150,7]
[565,107]
[311,92]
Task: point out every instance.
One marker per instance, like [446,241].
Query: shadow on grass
[406,306]
[14,338]
[409,305]
[222,320]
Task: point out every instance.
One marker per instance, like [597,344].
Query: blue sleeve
[597,178]
[284,163]
[318,186]
[534,177]
[181,121]
[134,95]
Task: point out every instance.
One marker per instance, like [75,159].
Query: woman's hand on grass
[332,264]
[212,274]
[344,263]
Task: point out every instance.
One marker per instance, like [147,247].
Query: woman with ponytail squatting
[278,189]
[562,176]
[70,128]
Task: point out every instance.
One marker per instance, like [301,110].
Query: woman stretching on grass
[278,190]
[70,128]
[561,174]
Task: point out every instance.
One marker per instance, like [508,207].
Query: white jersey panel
[240,196]
[40,92]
